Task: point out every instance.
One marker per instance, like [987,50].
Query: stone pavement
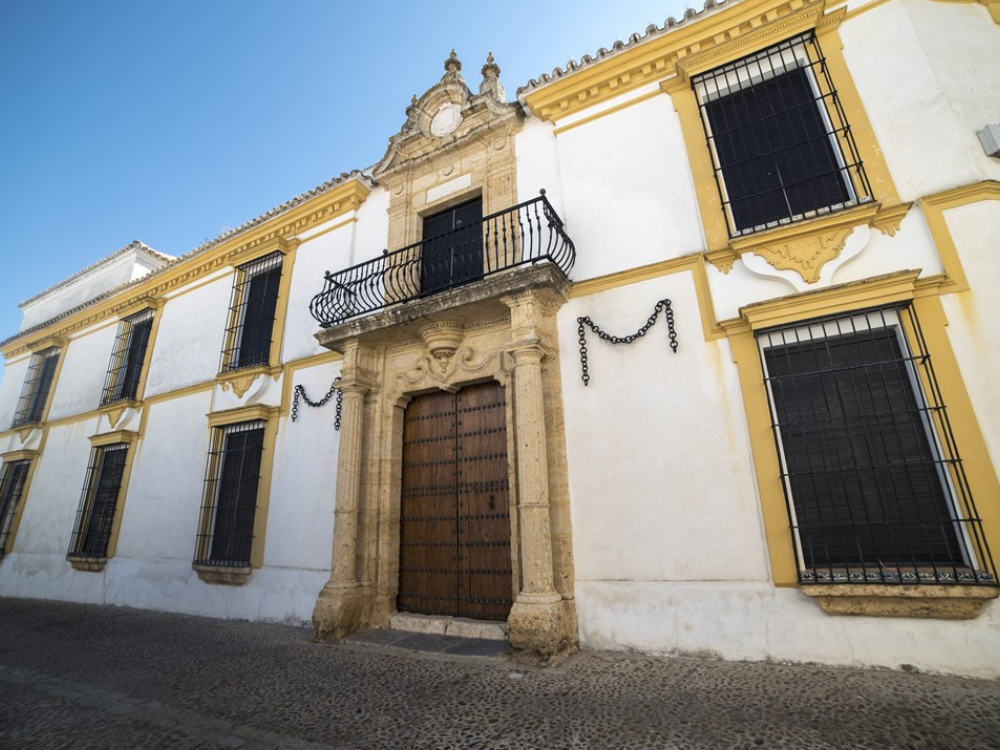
[80,676]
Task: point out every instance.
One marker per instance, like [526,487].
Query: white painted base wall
[758,622]
[285,595]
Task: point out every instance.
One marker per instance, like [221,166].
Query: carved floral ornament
[806,248]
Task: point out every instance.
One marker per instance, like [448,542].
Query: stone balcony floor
[82,676]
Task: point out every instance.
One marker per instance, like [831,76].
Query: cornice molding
[732,32]
[346,197]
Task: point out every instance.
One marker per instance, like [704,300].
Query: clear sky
[173,121]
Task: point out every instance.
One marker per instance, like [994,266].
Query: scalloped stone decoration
[805,255]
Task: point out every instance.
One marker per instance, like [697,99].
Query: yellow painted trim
[281,310]
[742,25]
[147,359]
[55,383]
[113,438]
[311,237]
[865,8]
[19,455]
[241,414]
[882,185]
[180,393]
[225,274]
[883,189]
[290,369]
[15,521]
[970,443]
[992,7]
[288,252]
[346,197]
[845,299]
[73,418]
[98,444]
[217,420]
[834,300]
[603,113]
[693,263]
[713,218]
[934,207]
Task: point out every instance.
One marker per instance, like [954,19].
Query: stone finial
[491,69]
[413,101]
[491,79]
[453,64]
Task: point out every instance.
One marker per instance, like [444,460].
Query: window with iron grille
[875,488]
[781,146]
[37,384]
[99,502]
[127,358]
[12,481]
[230,503]
[251,315]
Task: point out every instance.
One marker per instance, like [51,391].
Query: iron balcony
[530,232]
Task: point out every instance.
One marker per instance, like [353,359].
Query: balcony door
[453,247]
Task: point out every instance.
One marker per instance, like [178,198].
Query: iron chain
[300,391]
[586,322]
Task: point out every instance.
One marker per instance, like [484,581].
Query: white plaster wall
[538,164]
[972,317]
[10,388]
[372,232]
[189,340]
[928,74]
[329,252]
[37,566]
[84,370]
[163,499]
[303,485]
[758,622]
[627,190]
[661,484]
[125,268]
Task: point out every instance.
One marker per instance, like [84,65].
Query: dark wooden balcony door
[454,549]
[453,247]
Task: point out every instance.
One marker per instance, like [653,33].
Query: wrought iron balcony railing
[530,232]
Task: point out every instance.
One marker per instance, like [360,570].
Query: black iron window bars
[127,357]
[251,313]
[99,501]
[530,232]
[12,481]
[37,384]
[875,488]
[781,145]
[229,509]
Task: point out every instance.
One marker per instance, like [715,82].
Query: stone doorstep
[456,626]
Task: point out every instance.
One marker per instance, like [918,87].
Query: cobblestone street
[80,676]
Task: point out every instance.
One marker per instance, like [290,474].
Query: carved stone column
[542,623]
[343,605]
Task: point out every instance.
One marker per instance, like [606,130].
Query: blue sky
[173,121]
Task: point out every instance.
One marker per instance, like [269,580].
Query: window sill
[894,600]
[87,564]
[805,246]
[239,381]
[223,574]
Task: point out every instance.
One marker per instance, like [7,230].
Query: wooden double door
[455,553]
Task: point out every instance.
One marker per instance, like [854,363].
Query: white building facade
[796,461]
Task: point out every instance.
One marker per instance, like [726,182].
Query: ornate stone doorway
[454,546]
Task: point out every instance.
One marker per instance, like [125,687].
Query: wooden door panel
[428,527]
[484,503]
[455,515]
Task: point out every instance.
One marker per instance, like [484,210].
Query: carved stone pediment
[447,114]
